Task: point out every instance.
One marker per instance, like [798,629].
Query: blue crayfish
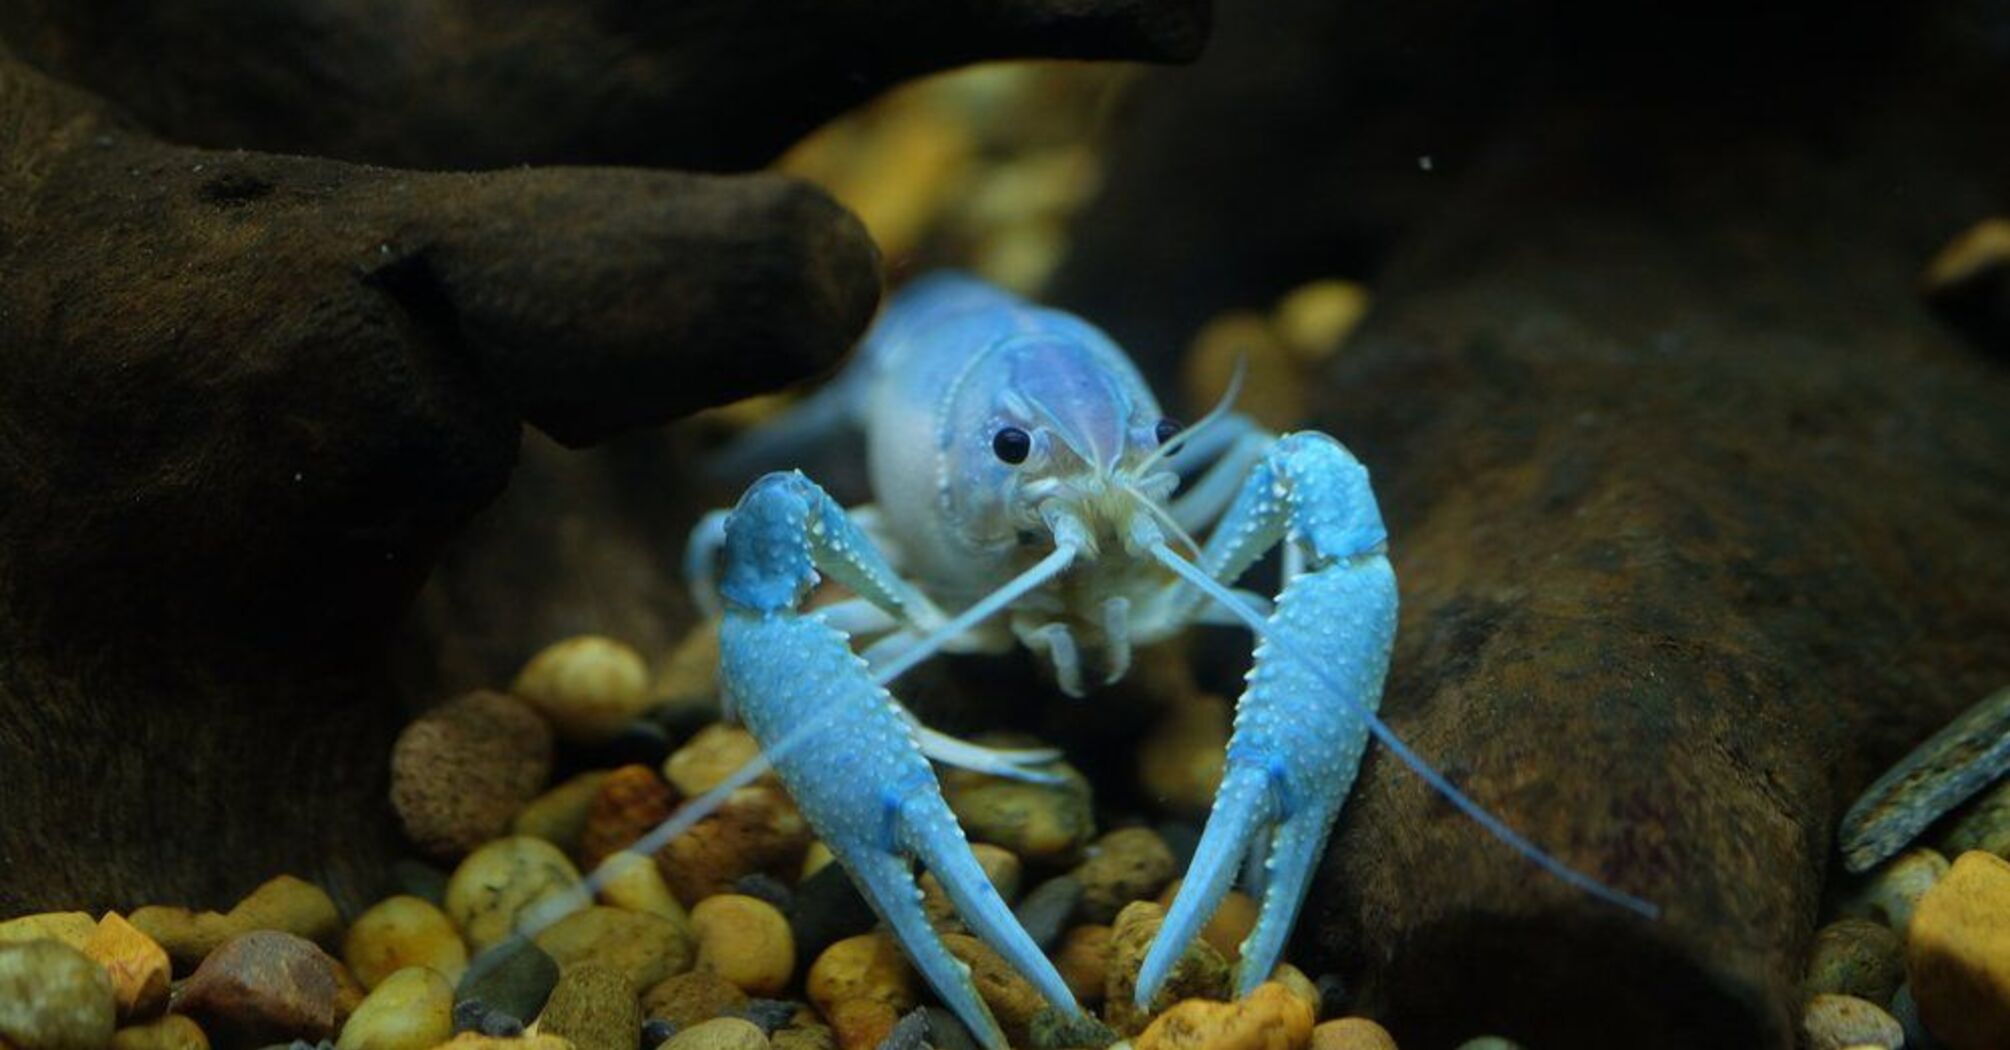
[1028,487]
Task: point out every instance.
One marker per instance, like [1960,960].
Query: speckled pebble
[1125,865]
[173,1032]
[559,815]
[1840,1022]
[264,987]
[866,967]
[756,829]
[514,978]
[1201,972]
[746,941]
[1048,909]
[640,948]
[589,687]
[687,998]
[631,802]
[412,1009]
[1013,999]
[1352,1033]
[1041,823]
[1053,1029]
[1270,1018]
[1859,957]
[460,772]
[506,882]
[594,1008]
[402,931]
[720,1033]
[53,997]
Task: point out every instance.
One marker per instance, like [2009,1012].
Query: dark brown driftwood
[1698,510]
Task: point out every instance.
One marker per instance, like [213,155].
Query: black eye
[1012,444]
[1167,430]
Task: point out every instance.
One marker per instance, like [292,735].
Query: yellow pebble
[709,757]
[1273,388]
[1352,1033]
[285,904]
[869,966]
[412,1009]
[173,1032]
[861,1024]
[816,859]
[634,882]
[746,941]
[1294,981]
[498,884]
[720,1033]
[559,815]
[137,965]
[1315,318]
[399,932]
[1271,1018]
[73,928]
[636,946]
[590,687]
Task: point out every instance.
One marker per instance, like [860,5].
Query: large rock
[1695,506]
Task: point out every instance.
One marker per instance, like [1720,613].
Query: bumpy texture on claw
[1297,745]
[844,748]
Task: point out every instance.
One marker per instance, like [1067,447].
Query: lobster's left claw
[1300,728]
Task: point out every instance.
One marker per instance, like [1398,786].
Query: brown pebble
[1957,954]
[745,940]
[1270,1018]
[631,802]
[1125,865]
[460,772]
[1013,999]
[869,966]
[137,965]
[267,987]
[757,829]
[639,947]
[594,1008]
[861,1024]
[1352,1033]
[1084,962]
[686,999]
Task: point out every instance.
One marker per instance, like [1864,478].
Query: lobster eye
[1012,444]
[1167,430]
